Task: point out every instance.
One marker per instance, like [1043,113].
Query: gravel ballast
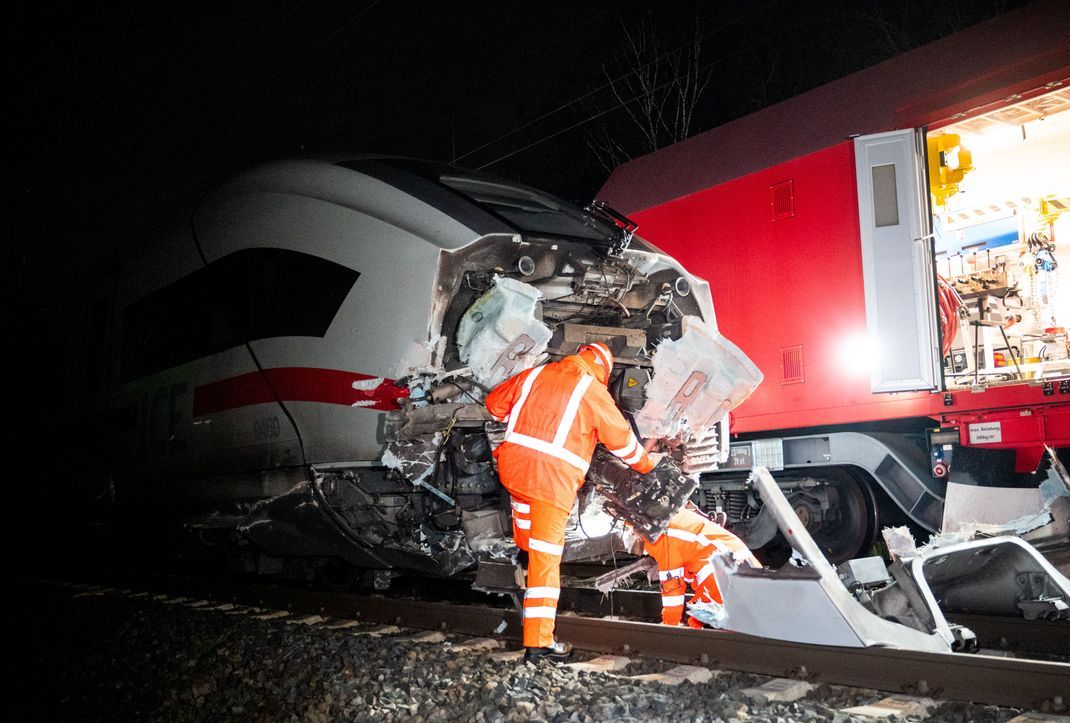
[113,656]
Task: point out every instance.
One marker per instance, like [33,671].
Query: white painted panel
[897,261]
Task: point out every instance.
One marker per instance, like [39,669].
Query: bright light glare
[858,355]
[993,139]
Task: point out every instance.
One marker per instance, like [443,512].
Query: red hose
[949,303]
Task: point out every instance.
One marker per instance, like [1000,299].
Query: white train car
[311,313]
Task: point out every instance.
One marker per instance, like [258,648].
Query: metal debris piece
[644,501]
[499,335]
[698,379]
[414,458]
[644,565]
[708,612]
[999,576]
[808,604]
[1039,514]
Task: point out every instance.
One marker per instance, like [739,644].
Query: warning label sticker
[986,433]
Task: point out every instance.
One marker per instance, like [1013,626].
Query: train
[901,233]
[293,374]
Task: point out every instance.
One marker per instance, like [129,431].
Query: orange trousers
[672,598]
[539,528]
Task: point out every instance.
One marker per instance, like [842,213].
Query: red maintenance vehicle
[891,250]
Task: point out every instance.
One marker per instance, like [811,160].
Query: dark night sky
[126,116]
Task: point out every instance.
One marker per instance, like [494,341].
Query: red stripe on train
[298,384]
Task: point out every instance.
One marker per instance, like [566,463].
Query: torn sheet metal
[808,603]
[992,509]
[644,501]
[488,532]
[499,336]
[1036,513]
[417,459]
[698,379]
[645,566]
[997,576]
[423,356]
[311,520]
[900,542]
[416,438]
[295,523]
[303,523]
[414,458]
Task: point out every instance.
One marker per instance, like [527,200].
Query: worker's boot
[558,653]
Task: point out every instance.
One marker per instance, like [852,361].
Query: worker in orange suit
[683,555]
[556,414]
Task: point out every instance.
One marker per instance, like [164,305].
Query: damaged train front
[508,302]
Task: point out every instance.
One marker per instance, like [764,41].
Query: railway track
[978,678]
[994,633]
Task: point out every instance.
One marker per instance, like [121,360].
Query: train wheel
[841,517]
[850,532]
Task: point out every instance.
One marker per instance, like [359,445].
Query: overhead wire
[573,29]
[611,82]
[622,104]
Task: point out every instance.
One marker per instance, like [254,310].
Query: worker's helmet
[600,357]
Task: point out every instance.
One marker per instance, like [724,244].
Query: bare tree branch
[658,92]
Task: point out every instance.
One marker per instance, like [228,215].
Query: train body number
[162,411]
[266,428]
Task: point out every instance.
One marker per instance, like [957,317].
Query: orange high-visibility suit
[683,555]
[556,413]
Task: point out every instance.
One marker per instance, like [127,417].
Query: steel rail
[1035,636]
[992,631]
[975,678]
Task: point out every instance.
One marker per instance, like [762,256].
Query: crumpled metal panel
[644,501]
[300,523]
[697,379]
[414,458]
[295,524]
[807,604]
[499,335]
[996,576]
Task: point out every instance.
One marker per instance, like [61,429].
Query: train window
[488,204]
[529,210]
[885,202]
[247,295]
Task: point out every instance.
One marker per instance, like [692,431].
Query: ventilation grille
[791,365]
[783,200]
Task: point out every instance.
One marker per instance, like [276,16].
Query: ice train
[258,359]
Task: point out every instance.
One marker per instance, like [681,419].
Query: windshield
[515,206]
[529,210]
